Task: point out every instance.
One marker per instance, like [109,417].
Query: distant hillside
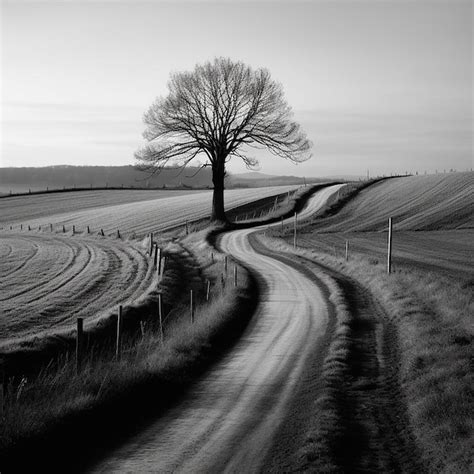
[254,175]
[255,179]
[57,177]
[20,180]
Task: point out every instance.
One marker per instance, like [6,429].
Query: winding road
[227,421]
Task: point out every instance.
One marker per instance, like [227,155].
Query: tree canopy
[215,111]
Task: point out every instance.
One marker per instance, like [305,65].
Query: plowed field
[48,280]
[137,212]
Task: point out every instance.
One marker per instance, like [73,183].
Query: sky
[384,86]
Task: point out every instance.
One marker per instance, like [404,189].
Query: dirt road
[227,421]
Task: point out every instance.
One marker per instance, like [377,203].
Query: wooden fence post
[225,264]
[88,230]
[160,316]
[21,226]
[389,247]
[191,305]
[29,228]
[102,232]
[162,269]
[51,227]
[208,289]
[64,229]
[235,275]
[212,257]
[158,267]
[187,228]
[155,255]
[294,236]
[79,343]
[151,243]
[347,250]
[73,229]
[119,331]
[118,234]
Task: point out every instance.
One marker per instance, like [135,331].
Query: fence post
[155,255]
[191,305]
[73,229]
[79,343]
[347,250]
[21,226]
[208,289]
[389,247]
[29,228]
[158,267]
[88,230]
[119,330]
[160,316]
[235,275]
[118,233]
[294,236]
[222,281]
[225,264]
[151,243]
[64,229]
[51,227]
[162,269]
[187,229]
[102,232]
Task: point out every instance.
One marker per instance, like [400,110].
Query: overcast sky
[375,84]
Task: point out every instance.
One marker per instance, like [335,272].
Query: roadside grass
[326,448]
[44,416]
[433,318]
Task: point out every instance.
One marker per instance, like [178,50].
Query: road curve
[227,421]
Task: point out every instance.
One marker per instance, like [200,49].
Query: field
[132,212]
[432,202]
[49,280]
[446,251]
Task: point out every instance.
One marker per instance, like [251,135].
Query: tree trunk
[218,173]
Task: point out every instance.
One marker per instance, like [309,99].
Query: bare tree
[214,111]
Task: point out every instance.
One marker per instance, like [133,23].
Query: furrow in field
[69,277]
[415,203]
[19,254]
